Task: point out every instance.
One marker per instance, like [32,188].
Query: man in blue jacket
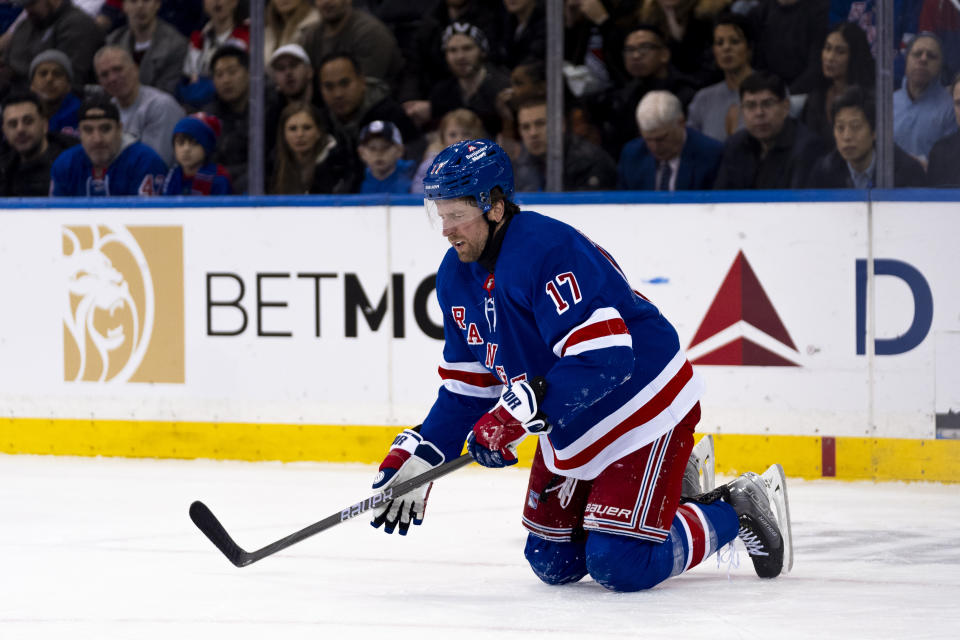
[668,155]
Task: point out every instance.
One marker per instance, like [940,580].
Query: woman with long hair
[286,23]
[846,61]
[308,158]
[715,110]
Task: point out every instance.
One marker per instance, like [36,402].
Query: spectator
[53,24]
[227,27]
[147,114]
[846,61]
[51,76]
[687,26]
[715,110]
[292,75]
[354,100]
[426,65]
[455,126]
[154,44]
[231,105]
[527,80]
[944,169]
[852,164]
[107,162]
[586,167]
[25,169]
[474,84]
[790,35]
[592,44]
[774,151]
[194,141]
[380,147]
[669,156]
[308,158]
[523,36]
[922,107]
[647,62]
[345,29]
[288,22]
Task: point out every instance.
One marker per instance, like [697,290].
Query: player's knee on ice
[556,562]
[620,563]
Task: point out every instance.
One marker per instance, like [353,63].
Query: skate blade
[706,464]
[776,483]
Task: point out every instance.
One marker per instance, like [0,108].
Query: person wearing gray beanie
[51,77]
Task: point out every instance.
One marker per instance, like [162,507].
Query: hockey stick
[211,527]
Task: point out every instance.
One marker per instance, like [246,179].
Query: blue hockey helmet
[469,168]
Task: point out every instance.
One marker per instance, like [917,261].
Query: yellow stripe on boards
[801,456]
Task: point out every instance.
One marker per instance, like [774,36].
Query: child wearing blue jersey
[380,147]
[194,141]
[544,336]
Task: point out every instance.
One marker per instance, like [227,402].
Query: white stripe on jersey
[464,389]
[600,315]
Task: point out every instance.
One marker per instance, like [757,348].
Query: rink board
[828,332]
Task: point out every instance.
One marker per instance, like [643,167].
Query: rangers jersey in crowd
[558,306]
[136,171]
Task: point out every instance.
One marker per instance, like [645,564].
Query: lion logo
[110,321]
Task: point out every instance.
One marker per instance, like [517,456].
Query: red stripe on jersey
[596,330]
[644,414]
[698,537]
[476,379]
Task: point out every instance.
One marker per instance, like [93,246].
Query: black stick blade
[211,527]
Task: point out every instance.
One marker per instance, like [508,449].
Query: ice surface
[104,549]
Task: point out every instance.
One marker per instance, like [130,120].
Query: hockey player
[545,337]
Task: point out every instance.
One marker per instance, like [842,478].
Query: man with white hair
[668,155]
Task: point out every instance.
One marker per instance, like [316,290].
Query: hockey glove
[409,456]
[495,436]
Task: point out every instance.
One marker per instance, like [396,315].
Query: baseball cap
[466,29]
[96,108]
[293,50]
[383,129]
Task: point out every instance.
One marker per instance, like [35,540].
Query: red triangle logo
[742,301]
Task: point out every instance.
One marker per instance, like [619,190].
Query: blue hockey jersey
[557,305]
[136,171]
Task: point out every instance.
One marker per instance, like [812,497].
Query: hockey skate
[699,475]
[763,509]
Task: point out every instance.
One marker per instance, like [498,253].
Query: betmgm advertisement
[805,319]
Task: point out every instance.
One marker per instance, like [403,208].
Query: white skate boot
[698,478]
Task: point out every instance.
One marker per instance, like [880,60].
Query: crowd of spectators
[123,97]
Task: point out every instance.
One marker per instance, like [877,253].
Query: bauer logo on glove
[494,439]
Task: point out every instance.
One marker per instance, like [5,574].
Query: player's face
[50,81]
[24,127]
[342,87]
[188,152]
[764,114]
[835,57]
[730,48]
[464,226]
[117,75]
[923,62]
[291,75]
[101,139]
[532,123]
[644,55]
[853,136]
[464,56]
